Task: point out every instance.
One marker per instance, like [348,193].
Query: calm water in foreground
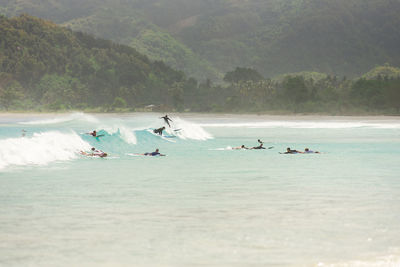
[203,204]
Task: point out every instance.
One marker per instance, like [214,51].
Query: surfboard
[141,154]
[168,136]
[100,155]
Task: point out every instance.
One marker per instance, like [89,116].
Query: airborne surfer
[166,119]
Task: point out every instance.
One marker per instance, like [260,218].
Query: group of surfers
[161,129]
[102,154]
[99,153]
[288,150]
[260,146]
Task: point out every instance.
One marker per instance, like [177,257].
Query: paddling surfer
[94,133]
[155,153]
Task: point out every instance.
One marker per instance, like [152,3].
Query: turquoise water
[203,204]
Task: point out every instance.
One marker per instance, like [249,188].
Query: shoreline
[257,116]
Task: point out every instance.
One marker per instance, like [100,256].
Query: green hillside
[208,38]
[45,65]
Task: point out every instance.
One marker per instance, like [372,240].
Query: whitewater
[204,203]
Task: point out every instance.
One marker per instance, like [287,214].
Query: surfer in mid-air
[159,130]
[166,119]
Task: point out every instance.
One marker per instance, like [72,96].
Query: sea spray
[41,148]
[124,132]
[189,130]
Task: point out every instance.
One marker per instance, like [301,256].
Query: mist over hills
[208,38]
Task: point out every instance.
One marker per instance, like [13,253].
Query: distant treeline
[330,95]
[44,67]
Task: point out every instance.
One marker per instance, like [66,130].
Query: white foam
[392,260]
[222,148]
[307,124]
[126,134]
[189,130]
[40,149]
[78,116]
[162,137]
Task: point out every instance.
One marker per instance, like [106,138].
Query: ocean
[204,203]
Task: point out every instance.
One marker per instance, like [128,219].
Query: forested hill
[209,37]
[43,64]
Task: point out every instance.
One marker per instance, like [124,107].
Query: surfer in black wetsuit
[155,153]
[159,130]
[94,133]
[261,145]
[258,147]
[291,151]
[166,119]
[307,151]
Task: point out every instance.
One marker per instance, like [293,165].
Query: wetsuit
[166,119]
[159,131]
[291,152]
[152,154]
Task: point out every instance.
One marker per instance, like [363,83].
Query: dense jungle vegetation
[208,38]
[45,67]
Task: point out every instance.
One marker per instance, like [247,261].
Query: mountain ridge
[213,37]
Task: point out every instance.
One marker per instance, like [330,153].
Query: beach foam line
[306,125]
[78,116]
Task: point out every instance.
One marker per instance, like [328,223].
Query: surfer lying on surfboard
[155,153]
[94,152]
[94,134]
[240,147]
[306,151]
[290,151]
